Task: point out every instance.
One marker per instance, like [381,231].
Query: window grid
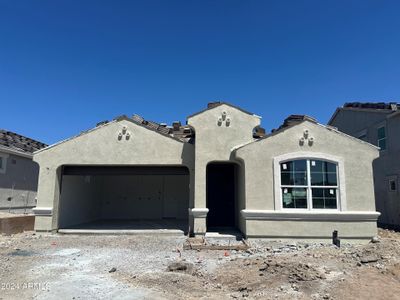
[310,187]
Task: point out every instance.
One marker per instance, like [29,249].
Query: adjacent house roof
[19,143]
[373,105]
[378,107]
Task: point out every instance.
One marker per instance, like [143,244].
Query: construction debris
[156,267]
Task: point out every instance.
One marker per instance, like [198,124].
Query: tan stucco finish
[225,134]
[102,146]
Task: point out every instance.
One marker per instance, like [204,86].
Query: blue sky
[65,65]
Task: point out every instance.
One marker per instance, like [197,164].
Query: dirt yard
[46,266]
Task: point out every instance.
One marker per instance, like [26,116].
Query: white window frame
[385,138]
[3,168]
[340,188]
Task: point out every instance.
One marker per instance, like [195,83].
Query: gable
[323,139]
[216,104]
[220,129]
[118,142]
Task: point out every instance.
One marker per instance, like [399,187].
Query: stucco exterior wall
[356,161]
[312,230]
[216,135]
[222,134]
[18,184]
[102,146]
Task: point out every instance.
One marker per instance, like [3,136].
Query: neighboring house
[378,124]
[304,180]
[18,173]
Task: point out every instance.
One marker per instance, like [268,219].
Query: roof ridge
[372,105]
[214,104]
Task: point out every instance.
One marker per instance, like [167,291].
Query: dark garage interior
[110,197]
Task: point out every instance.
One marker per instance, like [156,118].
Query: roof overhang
[15,152]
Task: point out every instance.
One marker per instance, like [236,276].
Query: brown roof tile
[19,142]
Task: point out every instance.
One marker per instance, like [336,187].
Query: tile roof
[294,119]
[177,131]
[373,105]
[380,107]
[19,143]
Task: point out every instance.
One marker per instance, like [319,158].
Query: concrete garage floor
[164,226]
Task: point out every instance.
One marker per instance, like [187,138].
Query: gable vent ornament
[306,138]
[224,119]
[124,134]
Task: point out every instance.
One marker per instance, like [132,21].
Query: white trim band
[360,216]
[198,212]
[43,211]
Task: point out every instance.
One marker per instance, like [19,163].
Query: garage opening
[124,198]
[221,196]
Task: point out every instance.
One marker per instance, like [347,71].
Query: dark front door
[221,195]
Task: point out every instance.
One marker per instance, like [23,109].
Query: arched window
[309,184]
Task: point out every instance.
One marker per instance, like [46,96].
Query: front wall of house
[105,145]
[359,231]
[216,140]
[357,180]
[216,136]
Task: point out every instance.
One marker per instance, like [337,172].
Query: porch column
[199,210]
[48,197]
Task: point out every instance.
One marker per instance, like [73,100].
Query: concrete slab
[122,231]
[223,234]
[133,227]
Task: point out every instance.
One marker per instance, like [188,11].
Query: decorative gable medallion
[306,139]
[224,120]
[124,134]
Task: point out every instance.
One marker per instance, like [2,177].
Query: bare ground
[46,266]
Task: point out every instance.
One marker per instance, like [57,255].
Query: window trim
[4,157]
[341,184]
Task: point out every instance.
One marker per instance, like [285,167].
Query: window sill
[308,215]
